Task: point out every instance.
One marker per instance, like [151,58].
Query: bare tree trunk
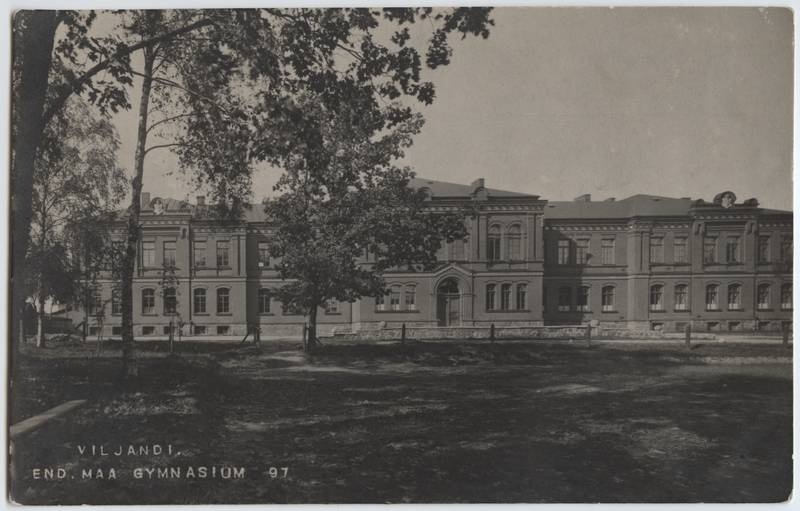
[40,340]
[36,48]
[312,327]
[129,365]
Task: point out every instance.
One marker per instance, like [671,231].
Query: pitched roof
[635,205]
[445,189]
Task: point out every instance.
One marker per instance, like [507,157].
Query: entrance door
[448,303]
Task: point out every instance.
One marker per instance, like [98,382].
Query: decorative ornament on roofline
[725,199]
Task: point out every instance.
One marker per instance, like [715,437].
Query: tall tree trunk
[40,340]
[36,47]
[312,327]
[128,263]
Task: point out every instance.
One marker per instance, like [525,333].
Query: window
[223,330]
[199,330]
[564,299]
[763,249]
[394,298]
[380,303]
[712,297]
[786,249]
[710,250]
[332,306]
[223,300]
[148,330]
[170,301]
[522,297]
[200,254]
[148,254]
[490,297]
[734,297]
[680,252]
[583,299]
[199,301]
[581,251]
[657,297]
[607,251]
[148,301]
[223,256]
[786,296]
[681,297]
[514,243]
[656,250]
[264,301]
[411,298]
[263,255]
[505,297]
[116,301]
[608,299]
[169,254]
[493,244]
[763,296]
[732,254]
[563,251]
[95,301]
[116,330]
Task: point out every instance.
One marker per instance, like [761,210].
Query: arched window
[264,300]
[564,299]
[763,296]
[608,304]
[505,297]
[582,301]
[394,298]
[148,301]
[223,300]
[199,300]
[522,296]
[657,297]
[514,243]
[170,301]
[491,303]
[411,298]
[493,244]
[734,297]
[786,296]
[712,297]
[681,297]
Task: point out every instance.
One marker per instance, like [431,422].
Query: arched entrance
[448,303]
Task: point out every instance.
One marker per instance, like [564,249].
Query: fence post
[403,333]
[491,333]
[785,332]
[687,330]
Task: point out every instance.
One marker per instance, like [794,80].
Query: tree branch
[168,119]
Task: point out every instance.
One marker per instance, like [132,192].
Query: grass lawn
[423,422]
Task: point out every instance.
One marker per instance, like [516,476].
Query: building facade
[644,262]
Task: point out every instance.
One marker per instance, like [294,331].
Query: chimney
[145,200]
[201,200]
[587,197]
[478,183]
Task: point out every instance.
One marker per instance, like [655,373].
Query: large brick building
[644,262]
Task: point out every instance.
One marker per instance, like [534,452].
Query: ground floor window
[490,297]
[657,297]
[505,297]
[264,301]
[148,301]
[608,298]
[712,297]
[332,306]
[582,300]
[522,296]
[148,330]
[411,298]
[223,300]
[199,301]
[223,330]
[763,296]
[564,299]
[786,296]
[199,330]
[681,297]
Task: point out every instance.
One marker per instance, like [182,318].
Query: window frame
[264,296]
[659,305]
[608,305]
[223,297]
[148,309]
[196,292]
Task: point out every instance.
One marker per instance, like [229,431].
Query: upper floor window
[263,255]
[763,249]
[564,299]
[493,244]
[332,306]
[491,304]
[148,301]
[656,250]
[681,297]
[786,249]
[411,298]
[514,243]
[582,301]
[607,251]
[734,297]
[582,251]
[563,251]
[732,252]
[763,296]
[680,251]
[264,301]
[712,297]
[223,254]
[199,300]
[170,301]
[657,297]
[522,296]
[169,254]
[116,300]
[394,298]
[148,254]
[608,299]
[223,300]
[710,250]
[200,254]
[505,297]
[786,296]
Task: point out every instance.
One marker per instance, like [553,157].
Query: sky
[559,102]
